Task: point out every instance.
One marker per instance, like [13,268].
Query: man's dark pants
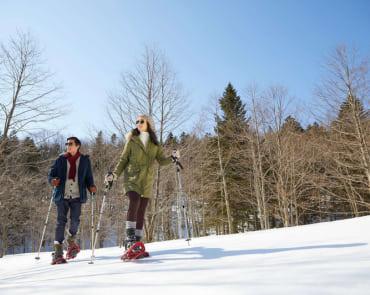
[74,206]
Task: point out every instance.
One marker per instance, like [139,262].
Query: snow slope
[326,258]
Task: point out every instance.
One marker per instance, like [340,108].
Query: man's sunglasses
[68,143]
[140,122]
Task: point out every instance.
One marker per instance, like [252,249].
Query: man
[70,175]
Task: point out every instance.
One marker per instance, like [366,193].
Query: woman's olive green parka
[137,163]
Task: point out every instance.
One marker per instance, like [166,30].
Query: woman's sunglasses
[140,122]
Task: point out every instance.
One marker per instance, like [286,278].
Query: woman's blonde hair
[151,129]
[149,121]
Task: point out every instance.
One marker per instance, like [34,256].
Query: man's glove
[92,189]
[55,182]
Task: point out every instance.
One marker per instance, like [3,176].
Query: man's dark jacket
[84,174]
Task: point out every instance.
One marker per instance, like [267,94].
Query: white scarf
[144,137]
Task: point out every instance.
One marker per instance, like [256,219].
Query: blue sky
[209,43]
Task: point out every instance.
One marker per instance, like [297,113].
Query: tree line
[250,161]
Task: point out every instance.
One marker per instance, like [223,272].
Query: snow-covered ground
[326,258]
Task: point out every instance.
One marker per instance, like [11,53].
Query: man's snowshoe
[57,260]
[72,251]
[135,251]
[58,255]
[73,248]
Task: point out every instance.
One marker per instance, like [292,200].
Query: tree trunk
[224,187]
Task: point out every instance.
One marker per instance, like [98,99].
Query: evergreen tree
[230,144]
[292,125]
[113,139]
[315,129]
[170,140]
[344,122]
[233,111]
[346,151]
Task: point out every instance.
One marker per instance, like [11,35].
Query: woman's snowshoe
[135,251]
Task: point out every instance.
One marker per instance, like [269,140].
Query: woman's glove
[175,158]
[176,154]
[109,178]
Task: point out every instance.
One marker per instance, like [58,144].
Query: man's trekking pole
[108,186]
[43,231]
[92,222]
[179,167]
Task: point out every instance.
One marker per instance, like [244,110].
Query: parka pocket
[133,172]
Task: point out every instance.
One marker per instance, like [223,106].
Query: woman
[137,161]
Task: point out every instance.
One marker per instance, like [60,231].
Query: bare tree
[151,88]
[27,92]
[223,181]
[350,78]
[344,93]
[256,148]
[28,98]
[277,110]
